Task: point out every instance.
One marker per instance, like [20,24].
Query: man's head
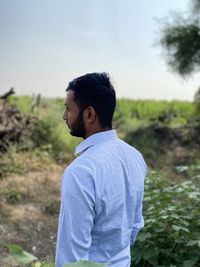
[90,104]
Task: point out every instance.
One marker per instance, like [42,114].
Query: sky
[47,43]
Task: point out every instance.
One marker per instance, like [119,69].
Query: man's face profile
[73,116]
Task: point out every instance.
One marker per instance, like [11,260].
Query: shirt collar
[95,139]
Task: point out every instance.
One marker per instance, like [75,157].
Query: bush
[171,234]
[10,162]
[50,135]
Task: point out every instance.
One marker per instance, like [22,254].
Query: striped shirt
[101,202]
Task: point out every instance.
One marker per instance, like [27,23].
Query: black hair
[96,90]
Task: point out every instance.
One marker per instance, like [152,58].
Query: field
[31,165]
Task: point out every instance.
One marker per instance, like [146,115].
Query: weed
[10,161]
[14,195]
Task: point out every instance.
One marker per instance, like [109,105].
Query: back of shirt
[101,203]
[119,186]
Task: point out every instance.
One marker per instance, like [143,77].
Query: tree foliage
[181,41]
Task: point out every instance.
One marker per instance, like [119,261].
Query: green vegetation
[144,124]
[23,257]
[167,133]
[10,162]
[152,110]
[13,195]
[129,115]
[171,234]
[180,39]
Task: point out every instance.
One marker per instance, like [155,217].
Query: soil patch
[29,212]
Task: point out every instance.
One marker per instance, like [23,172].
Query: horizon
[33,96]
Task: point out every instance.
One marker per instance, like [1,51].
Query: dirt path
[29,206]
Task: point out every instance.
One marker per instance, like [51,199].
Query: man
[102,189]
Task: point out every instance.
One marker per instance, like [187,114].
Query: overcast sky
[46,43]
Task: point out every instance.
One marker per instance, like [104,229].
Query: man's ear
[89,114]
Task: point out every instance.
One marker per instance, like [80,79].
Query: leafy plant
[85,264]
[23,257]
[171,234]
[10,161]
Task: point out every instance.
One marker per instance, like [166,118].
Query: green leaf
[47,264]
[178,228]
[85,264]
[151,255]
[193,242]
[21,255]
[190,262]
[144,236]
[43,264]
[37,264]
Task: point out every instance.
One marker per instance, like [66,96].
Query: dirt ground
[29,209]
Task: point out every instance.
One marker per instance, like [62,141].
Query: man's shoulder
[128,147]
[81,164]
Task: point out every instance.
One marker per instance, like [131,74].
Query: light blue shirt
[101,202]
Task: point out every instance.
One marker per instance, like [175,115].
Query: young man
[102,189]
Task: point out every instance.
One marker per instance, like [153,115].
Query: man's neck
[89,133]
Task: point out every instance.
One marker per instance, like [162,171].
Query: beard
[77,128]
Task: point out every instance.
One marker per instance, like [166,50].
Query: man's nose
[64,116]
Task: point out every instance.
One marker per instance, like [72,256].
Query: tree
[180,40]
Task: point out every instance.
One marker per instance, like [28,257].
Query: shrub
[10,162]
[14,195]
[171,234]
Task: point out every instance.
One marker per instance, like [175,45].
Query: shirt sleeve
[139,221]
[76,217]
